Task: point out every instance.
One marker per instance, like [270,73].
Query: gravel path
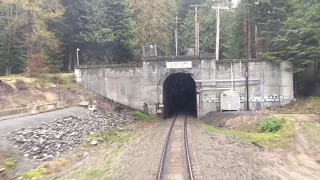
[140,159]
[304,162]
[226,157]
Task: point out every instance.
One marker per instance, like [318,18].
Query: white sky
[235,2]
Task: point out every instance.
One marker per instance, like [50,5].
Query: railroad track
[175,162]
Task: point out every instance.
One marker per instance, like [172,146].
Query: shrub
[34,174]
[270,125]
[9,163]
[140,116]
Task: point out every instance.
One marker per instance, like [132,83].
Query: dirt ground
[304,161]
[235,120]
[214,156]
[136,158]
[17,92]
[300,161]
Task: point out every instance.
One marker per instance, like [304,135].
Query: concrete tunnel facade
[147,87]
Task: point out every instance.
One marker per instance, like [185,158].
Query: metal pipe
[232,82]
[247,85]
[240,68]
[262,84]
[212,89]
[225,80]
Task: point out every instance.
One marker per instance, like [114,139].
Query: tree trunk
[69,60]
[8,71]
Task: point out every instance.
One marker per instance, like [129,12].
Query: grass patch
[312,129]
[304,106]
[107,137]
[140,116]
[280,139]
[65,79]
[99,169]
[33,174]
[9,163]
[42,80]
[93,174]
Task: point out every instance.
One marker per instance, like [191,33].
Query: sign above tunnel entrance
[179,64]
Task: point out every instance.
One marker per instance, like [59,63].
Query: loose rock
[2,169]
[94,143]
[53,138]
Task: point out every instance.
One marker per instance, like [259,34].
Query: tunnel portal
[179,94]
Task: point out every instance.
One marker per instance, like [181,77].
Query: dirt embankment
[291,153]
[18,92]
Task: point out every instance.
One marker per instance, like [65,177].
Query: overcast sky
[235,2]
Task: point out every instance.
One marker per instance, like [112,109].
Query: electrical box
[230,101]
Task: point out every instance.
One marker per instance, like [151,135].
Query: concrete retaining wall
[270,84]
[7,114]
[121,84]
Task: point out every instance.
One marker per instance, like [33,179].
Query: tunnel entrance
[179,94]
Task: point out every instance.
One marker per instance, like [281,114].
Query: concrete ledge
[30,110]
[107,66]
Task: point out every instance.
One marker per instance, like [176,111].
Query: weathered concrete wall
[121,84]
[270,84]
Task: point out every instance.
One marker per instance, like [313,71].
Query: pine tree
[153,24]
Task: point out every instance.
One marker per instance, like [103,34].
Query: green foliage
[113,31]
[310,105]
[270,125]
[312,130]
[9,163]
[280,139]
[140,116]
[94,174]
[152,24]
[33,174]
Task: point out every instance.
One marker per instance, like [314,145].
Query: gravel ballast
[50,139]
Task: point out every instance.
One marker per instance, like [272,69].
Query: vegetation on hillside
[302,106]
[271,133]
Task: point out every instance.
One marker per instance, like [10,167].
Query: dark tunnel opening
[179,94]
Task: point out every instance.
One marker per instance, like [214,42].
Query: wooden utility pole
[257,46]
[249,35]
[218,8]
[196,28]
[176,33]
[249,55]
[245,35]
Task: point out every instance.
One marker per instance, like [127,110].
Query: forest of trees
[39,36]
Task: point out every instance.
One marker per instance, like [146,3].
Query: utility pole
[196,28]
[249,35]
[249,55]
[78,62]
[176,33]
[256,38]
[218,27]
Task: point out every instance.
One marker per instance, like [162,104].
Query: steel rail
[164,151]
[186,147]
